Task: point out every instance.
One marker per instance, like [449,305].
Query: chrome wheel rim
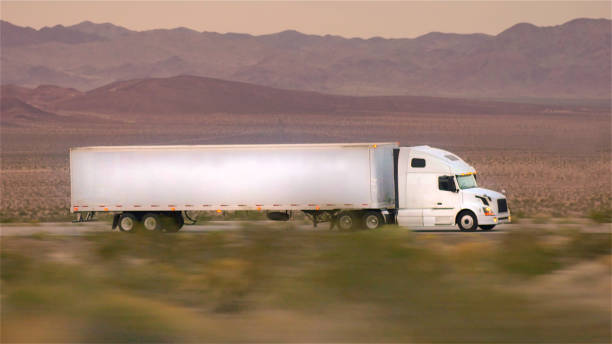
[127,224]
[467,221]
[150,223]
[372,222]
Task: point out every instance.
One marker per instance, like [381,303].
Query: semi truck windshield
[467,182]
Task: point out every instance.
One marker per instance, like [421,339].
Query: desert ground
[554,164]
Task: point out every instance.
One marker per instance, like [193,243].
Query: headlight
[488,211]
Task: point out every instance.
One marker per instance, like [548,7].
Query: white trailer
[348,184]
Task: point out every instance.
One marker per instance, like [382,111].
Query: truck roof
[455,163]
[288,146]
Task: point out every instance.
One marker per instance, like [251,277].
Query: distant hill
[41,95]
[566,61]
[178,96]
[16,112]
[13,35]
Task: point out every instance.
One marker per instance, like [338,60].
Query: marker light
[219,211]
[488,211]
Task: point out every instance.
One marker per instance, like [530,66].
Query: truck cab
[437,188]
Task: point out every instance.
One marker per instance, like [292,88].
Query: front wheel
[467,221]
[486,227]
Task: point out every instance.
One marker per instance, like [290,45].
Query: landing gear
[84,216]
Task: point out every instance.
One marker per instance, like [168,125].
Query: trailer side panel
[253,177]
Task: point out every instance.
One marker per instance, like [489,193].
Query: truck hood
[483,192]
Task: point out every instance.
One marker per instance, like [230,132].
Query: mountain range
[177,98]
[571,60]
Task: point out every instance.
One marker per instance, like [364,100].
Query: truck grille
[502,206]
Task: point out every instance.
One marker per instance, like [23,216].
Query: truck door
[440,206]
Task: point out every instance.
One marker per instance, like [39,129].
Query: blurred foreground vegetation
[265,284]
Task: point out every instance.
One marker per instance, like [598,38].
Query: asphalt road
[68,228]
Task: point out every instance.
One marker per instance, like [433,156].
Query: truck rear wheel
[151,222]
[128,223]
[346,221]
[467,221]
[372,220]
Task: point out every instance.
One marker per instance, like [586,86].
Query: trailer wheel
[346,221]
[151,222]
[173,223]
[467,221]
[486,227]
[372,220]
[128,223]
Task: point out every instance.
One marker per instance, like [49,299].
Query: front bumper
[498,219]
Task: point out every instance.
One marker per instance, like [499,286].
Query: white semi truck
[351,185]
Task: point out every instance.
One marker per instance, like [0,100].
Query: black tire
[172,223]
[347,221]
[467,221]
[486,227]
[372,220]
[151,222]
[128,223]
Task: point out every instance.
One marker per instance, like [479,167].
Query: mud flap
[116,220]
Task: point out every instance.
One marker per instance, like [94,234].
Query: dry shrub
[369,286]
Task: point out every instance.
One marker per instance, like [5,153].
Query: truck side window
[416,162]
[446,183]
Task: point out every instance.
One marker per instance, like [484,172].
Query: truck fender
[116,220]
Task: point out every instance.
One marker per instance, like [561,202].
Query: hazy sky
[345,18]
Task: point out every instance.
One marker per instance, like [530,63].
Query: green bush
[601,215]
[588,245]
[522,252]
[264,283]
